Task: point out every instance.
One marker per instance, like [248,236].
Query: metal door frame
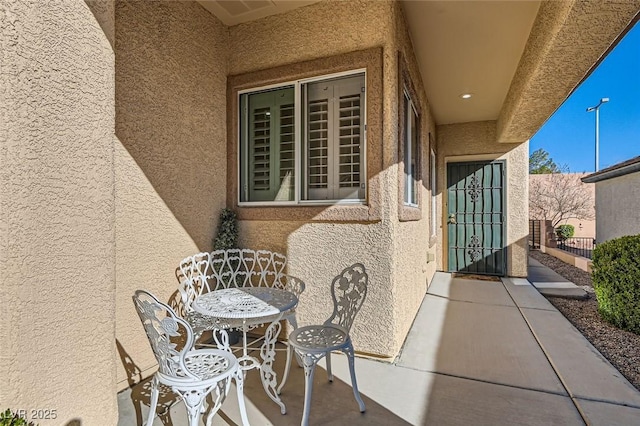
[488,158]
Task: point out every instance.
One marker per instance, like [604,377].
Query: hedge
[616,279]
[565,231]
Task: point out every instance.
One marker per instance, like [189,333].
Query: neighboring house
[337,131]
[565,192]
[617,200]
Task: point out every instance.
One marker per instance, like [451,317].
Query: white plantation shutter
[261,149]
[318,147]
[334,138]
[287,143]
[349,139]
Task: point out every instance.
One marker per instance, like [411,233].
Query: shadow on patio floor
[331,403]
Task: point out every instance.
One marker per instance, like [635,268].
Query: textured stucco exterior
[170,164]
[618,207]
[393,253]
[57,244]
[413,241]
[477,141]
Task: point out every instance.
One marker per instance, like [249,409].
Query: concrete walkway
[550,283]
[479,353]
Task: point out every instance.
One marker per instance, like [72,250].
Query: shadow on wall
[170,113]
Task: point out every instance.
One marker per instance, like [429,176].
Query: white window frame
[298,161]
[411,180]
[434,204]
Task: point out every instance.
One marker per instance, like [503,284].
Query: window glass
[410,153]
[267,147]
[434,219]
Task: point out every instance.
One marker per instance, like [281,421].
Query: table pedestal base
[268,354]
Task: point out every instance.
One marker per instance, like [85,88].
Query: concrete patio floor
[479,352]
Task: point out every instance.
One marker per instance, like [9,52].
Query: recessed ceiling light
[466,95]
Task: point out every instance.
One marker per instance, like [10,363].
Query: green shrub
[616,279]
[227,237]
[8,418]
[565,231]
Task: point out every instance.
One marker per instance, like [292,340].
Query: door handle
[452,219]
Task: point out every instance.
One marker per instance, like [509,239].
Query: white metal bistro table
[254,306]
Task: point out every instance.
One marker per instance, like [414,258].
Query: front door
[475,218]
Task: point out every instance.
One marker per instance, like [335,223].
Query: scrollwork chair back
[169,335]
[348,290]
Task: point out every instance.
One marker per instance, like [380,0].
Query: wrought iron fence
[535,228]
[581,246]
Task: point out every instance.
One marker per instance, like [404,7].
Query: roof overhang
[617,170]
[520,60]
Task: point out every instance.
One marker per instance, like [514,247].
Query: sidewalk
[550,283]
[479,352]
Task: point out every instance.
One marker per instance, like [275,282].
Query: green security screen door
[475,219]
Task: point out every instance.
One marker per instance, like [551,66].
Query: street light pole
[597,110]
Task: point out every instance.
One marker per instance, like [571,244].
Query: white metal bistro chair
[314,342]
[194,374]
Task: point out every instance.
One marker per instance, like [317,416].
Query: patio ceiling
[518,59]
[468,47]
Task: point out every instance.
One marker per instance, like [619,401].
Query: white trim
[267,88]
[297,162]
[334,75]
[412,181]
[433,166]
[352,201]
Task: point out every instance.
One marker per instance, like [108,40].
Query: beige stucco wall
[57,245]
[584,228]
[477,141]
[618,207]
[170,164]
[412,239]
[318,251]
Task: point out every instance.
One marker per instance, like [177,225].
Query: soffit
[468,47]
[233,12]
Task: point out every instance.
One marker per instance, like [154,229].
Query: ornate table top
[245,302]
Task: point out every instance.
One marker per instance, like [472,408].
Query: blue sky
[569,134]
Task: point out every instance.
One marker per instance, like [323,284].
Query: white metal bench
[210,271]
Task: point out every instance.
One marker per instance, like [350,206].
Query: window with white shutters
[316,157]
[268,145]
[334,138]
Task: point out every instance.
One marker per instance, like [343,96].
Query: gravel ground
[621,348]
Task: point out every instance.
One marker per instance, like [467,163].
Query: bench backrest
[210,271]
